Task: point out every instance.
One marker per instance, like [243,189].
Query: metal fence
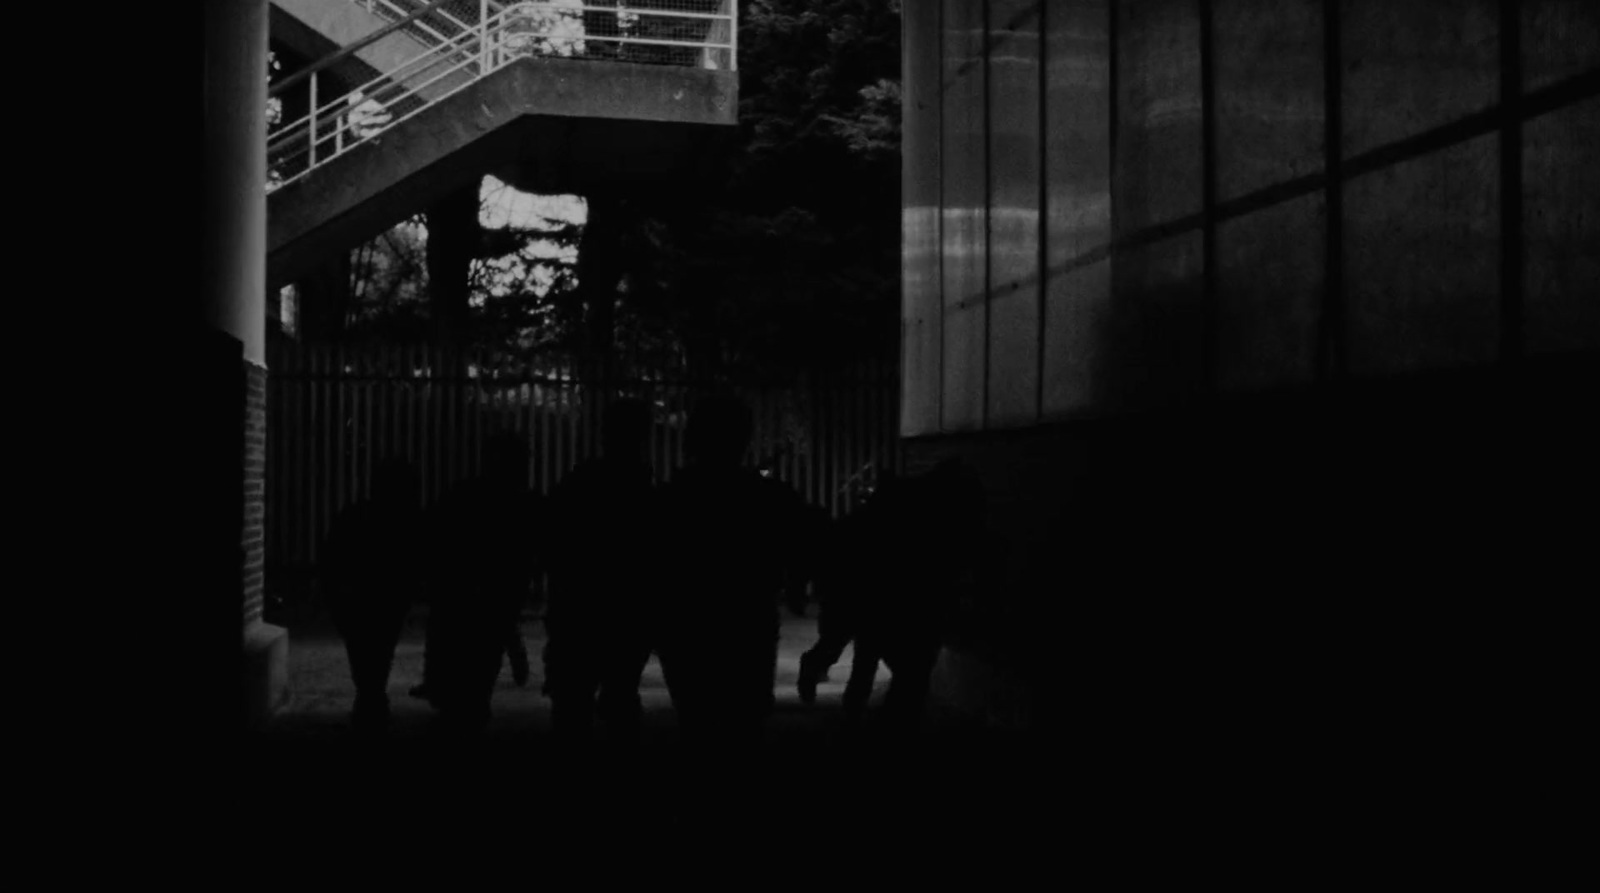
[460,42]
[334,412]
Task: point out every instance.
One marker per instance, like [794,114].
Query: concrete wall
[1261,320]
[1088,233]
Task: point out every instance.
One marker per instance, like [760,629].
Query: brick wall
[253,539]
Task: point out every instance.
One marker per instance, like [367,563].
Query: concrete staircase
[524,90]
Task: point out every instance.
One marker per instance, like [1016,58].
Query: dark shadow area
[665,647]
[1360,591]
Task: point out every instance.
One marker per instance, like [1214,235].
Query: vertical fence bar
[485,399]
[388,391]
[558,428]
[574,419]
[312,123]
[325,436]
[339,481]
[410,405]
[584,413]
[296,452]
[425,421]
[546,442]
[836,460]
[368,390]
[274,507]
[307,446]
[451,429]
[525,411]
[802,445]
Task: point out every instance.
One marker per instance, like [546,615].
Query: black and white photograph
[1084,423]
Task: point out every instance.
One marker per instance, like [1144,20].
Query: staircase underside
[547,125]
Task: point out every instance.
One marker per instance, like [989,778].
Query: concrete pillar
[235,172]
[234,298]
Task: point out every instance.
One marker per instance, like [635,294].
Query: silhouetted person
[516,655]
[732,539]
[901,561]
[371,570]
[847,562]
[484,537]
[600,634]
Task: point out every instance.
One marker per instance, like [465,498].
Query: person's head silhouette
[505,460]
[956,489]
[627,430]
[395,484]
[719,432]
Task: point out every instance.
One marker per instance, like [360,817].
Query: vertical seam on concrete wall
[1208,189]
[1331,336]
[1044,223]
[988,220]
[1511,198]
[939,313]
[1112,79]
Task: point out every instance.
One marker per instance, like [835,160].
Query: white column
[235,172]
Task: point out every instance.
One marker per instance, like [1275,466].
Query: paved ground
[322,694]
[816,764]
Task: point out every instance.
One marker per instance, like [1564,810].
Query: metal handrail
[483,47]
[391,10]
[344,118]
[424,26]
[348,50]
[392,78]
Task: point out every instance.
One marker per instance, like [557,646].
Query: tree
[797,245]
[788,253]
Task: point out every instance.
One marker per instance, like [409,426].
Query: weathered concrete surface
[1158,141]
[1014,139]
[317,27]
[1422,262]
[1560,38]
[1269,92]
[921,312]
[1077,313]
[571,125]
[965,218]
[266,671]
[1077,197]
[1561,228]
[1286,557]
[1153,344]
[1409,67]
[1270,268]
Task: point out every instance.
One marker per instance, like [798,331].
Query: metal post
[313,127]
[483,37]
[733,38]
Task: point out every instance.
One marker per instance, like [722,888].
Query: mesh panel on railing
[699,31]
[462,41]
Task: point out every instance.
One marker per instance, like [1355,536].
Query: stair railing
[503,34]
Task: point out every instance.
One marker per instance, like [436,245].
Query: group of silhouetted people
[691,571]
